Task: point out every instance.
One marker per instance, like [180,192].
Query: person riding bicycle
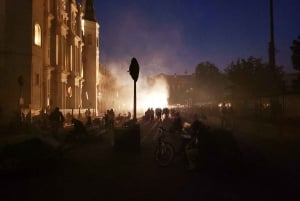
[197,131]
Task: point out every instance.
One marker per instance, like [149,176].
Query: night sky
[173,36]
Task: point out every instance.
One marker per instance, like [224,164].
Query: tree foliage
[296,62]
[253,78]
[209,81]
[296,54]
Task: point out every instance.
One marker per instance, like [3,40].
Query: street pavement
[241,169]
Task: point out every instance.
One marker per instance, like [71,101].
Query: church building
[49,56]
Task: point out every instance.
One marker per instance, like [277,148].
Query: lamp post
[272,63]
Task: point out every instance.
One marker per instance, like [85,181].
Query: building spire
[89,10]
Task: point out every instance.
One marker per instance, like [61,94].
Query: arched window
[37,35]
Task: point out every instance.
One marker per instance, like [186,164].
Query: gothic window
[37,35]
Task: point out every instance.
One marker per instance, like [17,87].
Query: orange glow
[155,97]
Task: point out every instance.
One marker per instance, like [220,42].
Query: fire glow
[155,96]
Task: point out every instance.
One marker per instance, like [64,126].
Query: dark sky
[173,36]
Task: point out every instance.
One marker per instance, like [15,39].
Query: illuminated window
[37,35]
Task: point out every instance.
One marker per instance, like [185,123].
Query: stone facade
[41,56]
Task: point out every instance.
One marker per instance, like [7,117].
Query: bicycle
[164,151]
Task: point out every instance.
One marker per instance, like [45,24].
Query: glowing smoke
[155,96]
[148,95]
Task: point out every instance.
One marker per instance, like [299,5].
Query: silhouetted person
[79,129]
[106,119]
[151,114]
[42,121]
[166,111]
[158,113]
[57,119]
[111,117]
[167,122]
[197,127]
[128,115]
[148,114]
[198,132]
[177,123]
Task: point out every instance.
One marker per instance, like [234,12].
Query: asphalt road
[93,170]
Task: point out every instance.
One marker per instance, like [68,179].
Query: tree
[209,81]
[296,62]
[296,54]
[251,78]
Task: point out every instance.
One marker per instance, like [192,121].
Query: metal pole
[134,102]
[272,43]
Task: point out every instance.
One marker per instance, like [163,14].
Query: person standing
[57,119]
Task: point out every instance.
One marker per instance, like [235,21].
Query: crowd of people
[54,121]
[171,119]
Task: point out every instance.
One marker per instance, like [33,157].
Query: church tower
[90,55]
[62,73]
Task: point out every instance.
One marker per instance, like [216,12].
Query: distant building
[49,55]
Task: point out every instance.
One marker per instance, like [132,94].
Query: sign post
[134,70]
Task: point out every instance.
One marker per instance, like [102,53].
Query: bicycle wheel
[164,154]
